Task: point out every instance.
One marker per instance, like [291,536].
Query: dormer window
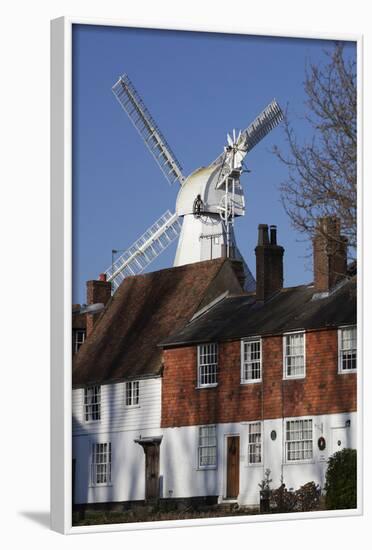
[78,338]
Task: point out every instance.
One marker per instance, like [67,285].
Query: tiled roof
[143,312]
[296,308]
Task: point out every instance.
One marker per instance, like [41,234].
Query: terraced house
[188,387]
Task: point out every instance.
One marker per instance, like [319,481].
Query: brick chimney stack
[330,254]
[98,292]
[269,263]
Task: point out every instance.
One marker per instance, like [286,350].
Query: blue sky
[198,87]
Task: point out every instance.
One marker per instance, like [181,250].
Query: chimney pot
[272,234]
[263,234]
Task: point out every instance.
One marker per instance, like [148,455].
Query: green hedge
[341,480]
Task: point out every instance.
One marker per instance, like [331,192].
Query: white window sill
[204,468]
[98,485]
[349,371]
[129,407]
[246,382]
[297,462]
[92,421]
[297,377]
[206,386]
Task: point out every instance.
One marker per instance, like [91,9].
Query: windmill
[209,199]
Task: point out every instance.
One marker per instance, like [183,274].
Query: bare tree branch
[322,173]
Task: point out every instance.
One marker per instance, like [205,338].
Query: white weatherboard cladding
[194,244]
[114,413]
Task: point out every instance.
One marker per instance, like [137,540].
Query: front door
[152,471]
[232,464]
[340,439]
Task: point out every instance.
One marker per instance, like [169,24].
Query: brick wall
[322,391]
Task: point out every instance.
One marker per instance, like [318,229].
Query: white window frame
[287,376]
[212,445]
[341,370]
[201,364]
[300,442]
[244,341]
[101,470]
[132,394]
[76,343]
[89,404]
[254,444]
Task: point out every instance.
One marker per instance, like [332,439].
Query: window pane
[78,338]
[251,360]
[207,364]
[295,354]
[207,448]
[136,392]
[254,443]
[128,393]
[92,403]
[101,463]
[299,439]
[348,352]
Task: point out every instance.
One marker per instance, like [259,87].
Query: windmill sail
[145,125]
[266,121]
[261,126]
[145,250]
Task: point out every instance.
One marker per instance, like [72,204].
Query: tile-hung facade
[189,387]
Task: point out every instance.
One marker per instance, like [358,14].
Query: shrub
[282,500]
[341,480]
[308,497]
[305,499]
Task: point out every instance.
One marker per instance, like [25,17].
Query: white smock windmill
[209,199]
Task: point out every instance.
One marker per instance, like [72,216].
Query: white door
[340,439]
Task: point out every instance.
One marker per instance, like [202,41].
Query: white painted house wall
[180,476]
[119,425]
[183,478]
